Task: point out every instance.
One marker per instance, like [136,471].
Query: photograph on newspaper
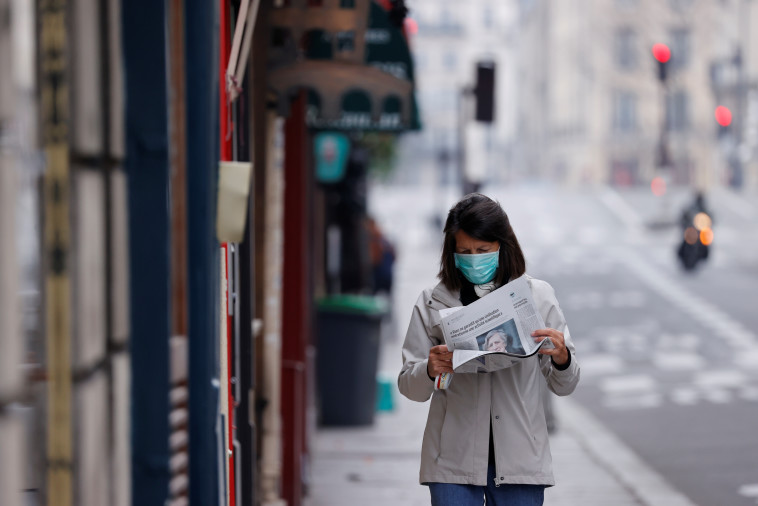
[495,331]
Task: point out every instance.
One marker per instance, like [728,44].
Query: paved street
[669,362]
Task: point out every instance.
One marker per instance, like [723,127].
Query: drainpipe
[11,434]
[271,432]
[201,57]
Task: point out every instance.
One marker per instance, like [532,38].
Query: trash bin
[348,333]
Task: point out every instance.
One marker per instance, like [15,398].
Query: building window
[625,49]
[624,111]
[677,111]
[681,5]
[449,60]
[488,17]
[680,48]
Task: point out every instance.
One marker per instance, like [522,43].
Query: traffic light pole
[467,185]
[662,55]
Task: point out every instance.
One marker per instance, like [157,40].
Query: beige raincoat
[455,447]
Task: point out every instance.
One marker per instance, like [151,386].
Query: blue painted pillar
[201,45]
[147,166]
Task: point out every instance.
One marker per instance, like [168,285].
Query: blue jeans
[452,494]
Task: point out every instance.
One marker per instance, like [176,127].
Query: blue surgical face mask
[478,269]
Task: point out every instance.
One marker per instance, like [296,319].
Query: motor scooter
[697,237]
[692,249]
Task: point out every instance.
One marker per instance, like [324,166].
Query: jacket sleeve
[413,381]
[561,382]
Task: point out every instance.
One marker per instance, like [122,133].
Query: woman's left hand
[560,353]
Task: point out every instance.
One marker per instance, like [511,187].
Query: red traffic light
[723,116]
[661,52]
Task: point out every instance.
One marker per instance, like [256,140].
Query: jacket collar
[442,294]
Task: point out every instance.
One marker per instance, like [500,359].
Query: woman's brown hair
[484,219]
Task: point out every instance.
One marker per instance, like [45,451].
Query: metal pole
[201,44]
[147,165]
[466,185]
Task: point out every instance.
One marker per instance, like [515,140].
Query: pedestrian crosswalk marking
[601,363]
[750,490]
[685,396]
[625,384]
[636,401]
[681,361]
[720,379]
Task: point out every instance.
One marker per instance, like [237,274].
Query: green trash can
[348,335]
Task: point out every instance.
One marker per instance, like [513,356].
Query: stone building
[592,109]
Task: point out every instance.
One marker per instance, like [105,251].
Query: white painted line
[685,396]
[623,211]
[676,361]
[705,313]
[633,401]
[749,393]
[627,384]
[749,490]
[645,483]
[720,379]
[601,364]
[718,396]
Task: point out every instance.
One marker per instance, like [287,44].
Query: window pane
[625,49]
[624,111]
[680,48]
[677,111]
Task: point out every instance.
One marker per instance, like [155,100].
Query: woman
[486,434]
[495,341]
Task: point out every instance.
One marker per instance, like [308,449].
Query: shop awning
[353,60]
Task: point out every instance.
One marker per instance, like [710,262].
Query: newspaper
[494,332]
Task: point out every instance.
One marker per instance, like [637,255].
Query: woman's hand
[560,353]
[440,360]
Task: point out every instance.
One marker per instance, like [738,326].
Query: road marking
[601,363]
[701,311]
[685,396]
[720,379]
[645,483]
[718,396]
[749,393]
[750,490]
[678,361]
[635,401]
[628,384]
[623,211]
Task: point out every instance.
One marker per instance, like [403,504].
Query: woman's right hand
[440,360]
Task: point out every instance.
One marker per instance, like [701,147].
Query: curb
[647,485]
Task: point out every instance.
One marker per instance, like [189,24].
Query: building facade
[592,107]
[450,41]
